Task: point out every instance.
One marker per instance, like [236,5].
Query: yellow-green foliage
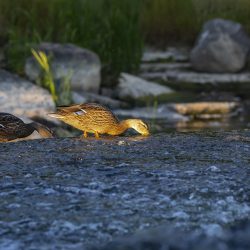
[61,94]
[47,81]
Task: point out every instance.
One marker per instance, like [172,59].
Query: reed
[110,28]
[116,30]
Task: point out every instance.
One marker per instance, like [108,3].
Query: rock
[22,98]
[193,81]
[68,193]
[234,237]
[185,116]
[162,67]
[171,54]
[222,47]
[206,108]
[91,97]
[162,112]
[134,88]
[82,66]
[78,98]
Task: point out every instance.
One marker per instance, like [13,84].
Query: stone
[23,98]
[181,79]
[206,108]
[162,67]
[222,47]
[80,65]
[132,88]
[234,237]
[161,112]
[92,97]
[170,54]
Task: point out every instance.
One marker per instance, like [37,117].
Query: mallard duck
[97,119]
[11,128]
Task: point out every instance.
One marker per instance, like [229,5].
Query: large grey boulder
[82,66]
[222,46]
[133,88]
[22,98]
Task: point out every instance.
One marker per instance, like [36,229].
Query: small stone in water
[121,143]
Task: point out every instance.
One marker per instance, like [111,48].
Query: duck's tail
[42,130]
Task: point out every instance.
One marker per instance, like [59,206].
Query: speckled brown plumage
[97,119]
[11,128]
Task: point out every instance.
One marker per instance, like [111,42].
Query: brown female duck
[97,119]
[11,128]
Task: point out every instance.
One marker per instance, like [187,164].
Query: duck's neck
[42,130]
[122,126]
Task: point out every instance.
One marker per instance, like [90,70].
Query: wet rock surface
[166,238]
[73,194]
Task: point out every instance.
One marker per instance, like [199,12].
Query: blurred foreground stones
[164,238]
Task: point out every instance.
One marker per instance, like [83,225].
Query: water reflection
[227,123]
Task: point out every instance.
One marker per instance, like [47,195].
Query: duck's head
[138,125]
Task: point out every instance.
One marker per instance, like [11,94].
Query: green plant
[238,11]
[110,28]
[169,21]
[61,94]
[64,90]
[47,81]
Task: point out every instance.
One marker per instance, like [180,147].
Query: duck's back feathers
[87,117]
[11,127]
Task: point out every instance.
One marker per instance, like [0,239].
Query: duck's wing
[86,108]
[95,108]
[9,124]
